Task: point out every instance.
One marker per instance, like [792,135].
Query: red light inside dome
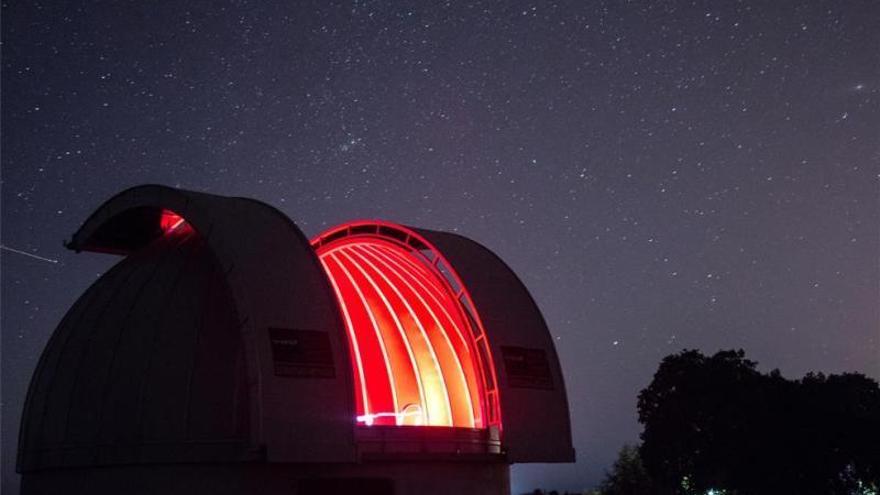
[413,353]
[172,222]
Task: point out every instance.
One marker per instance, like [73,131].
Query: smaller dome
[145,367]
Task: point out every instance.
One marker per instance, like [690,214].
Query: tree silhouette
[627,476]
[718,423]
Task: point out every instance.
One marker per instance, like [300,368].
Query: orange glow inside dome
[414,355]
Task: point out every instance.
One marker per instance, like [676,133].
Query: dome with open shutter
[225,337]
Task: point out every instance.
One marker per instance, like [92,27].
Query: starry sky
[662,175]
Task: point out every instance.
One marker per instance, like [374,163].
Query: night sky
[680,175]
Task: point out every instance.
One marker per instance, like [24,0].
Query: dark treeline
[716,425]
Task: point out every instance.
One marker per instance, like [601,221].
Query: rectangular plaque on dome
[302,353]
[527,368]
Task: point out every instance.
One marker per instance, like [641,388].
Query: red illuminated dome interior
[418,352]
[172,223]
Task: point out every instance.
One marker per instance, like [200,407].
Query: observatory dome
[227,352]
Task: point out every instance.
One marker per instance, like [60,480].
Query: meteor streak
[30,255]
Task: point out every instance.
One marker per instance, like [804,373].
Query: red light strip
[170,222]
[457,385]
[426,281]
[433,375]
[395,358]
[360,380]
[462,349]
[400,311]
[452,313]
[439,407]
[427,275]
[376,381]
